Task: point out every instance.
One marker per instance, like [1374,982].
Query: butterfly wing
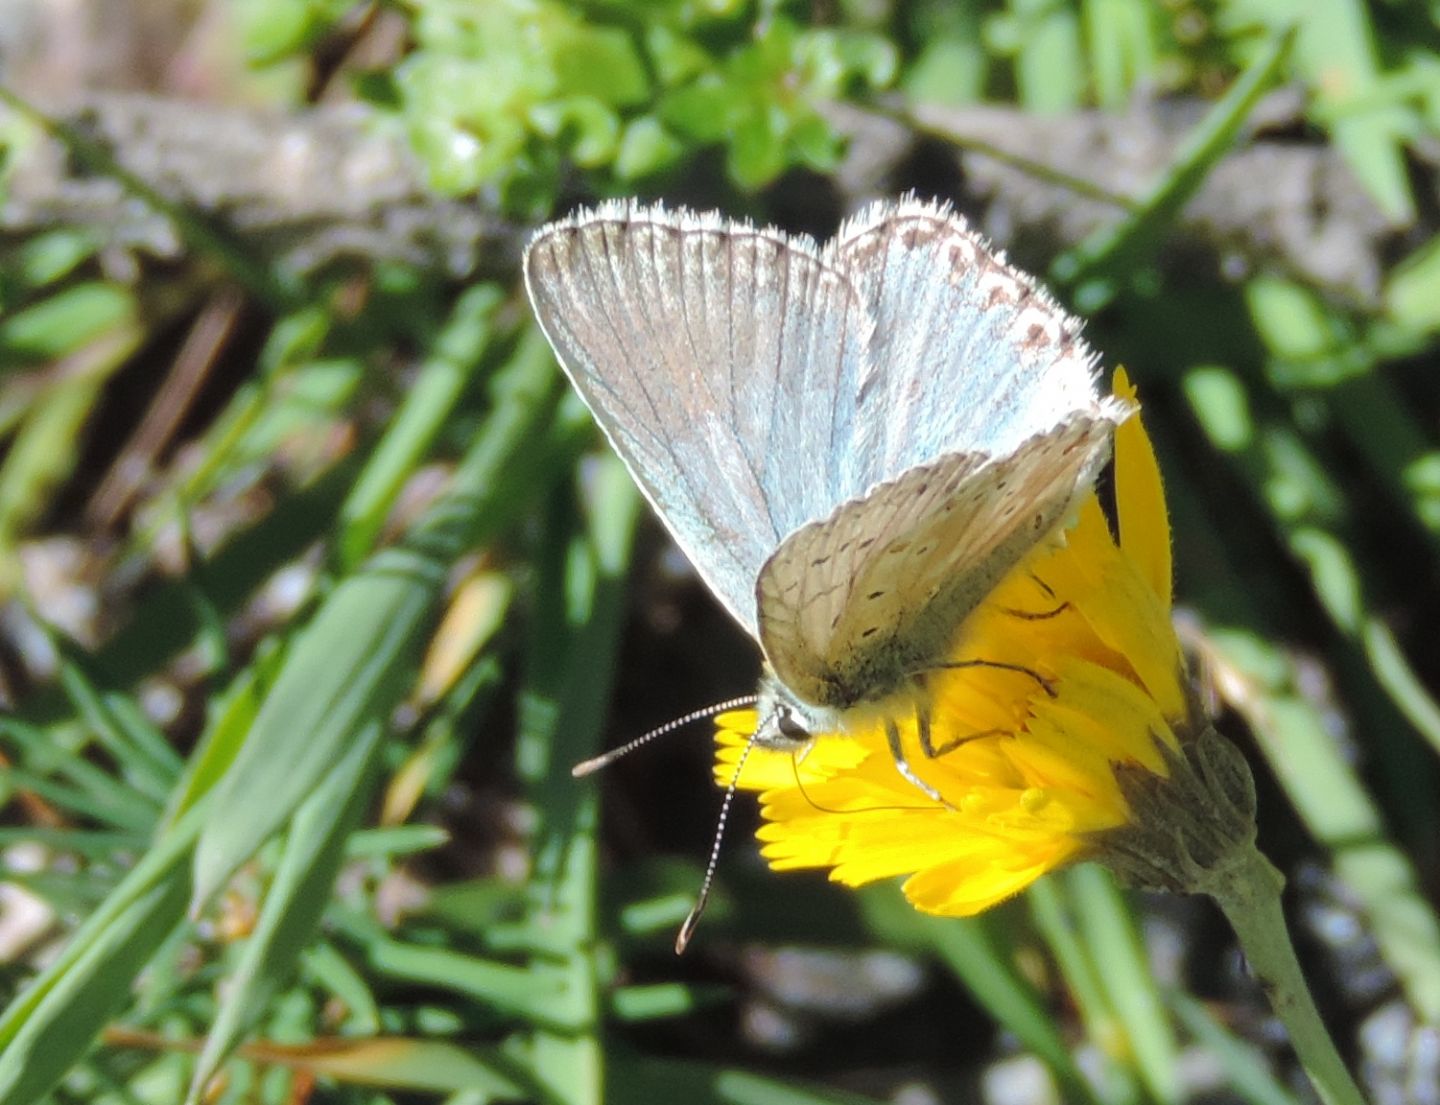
[722,362]
[853,606]
[991,427]
[968,354]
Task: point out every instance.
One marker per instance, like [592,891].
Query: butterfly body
[853,443]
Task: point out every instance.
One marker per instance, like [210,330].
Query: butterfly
[853,443]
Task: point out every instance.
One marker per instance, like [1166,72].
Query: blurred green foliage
[280,866]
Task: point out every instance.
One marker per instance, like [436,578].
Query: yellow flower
[1031,781]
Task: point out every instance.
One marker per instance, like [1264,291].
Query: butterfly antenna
[687,930]
[594,764]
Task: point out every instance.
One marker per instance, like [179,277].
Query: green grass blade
[61,1025]
[154,869]
[55,766]
[357,657]
[1336,807]
[651,1081]
[270,286]
[570,670]
[314,850]
[113,807]
[1054,920]
[325,967]
[974,952]
[1113,942]
[67,321]
[1101,262]
[47,1028]
[417,1066]
[1045,38]
[428,402]
[1249,1072]
[348,669]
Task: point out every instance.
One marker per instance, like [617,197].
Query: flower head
[1073,678]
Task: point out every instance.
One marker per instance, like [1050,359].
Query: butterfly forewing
[723,364]
[852,607]
[968,354]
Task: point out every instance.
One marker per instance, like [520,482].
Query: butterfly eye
[790,726]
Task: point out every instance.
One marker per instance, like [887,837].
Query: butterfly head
[786,721]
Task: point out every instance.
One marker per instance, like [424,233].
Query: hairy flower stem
[1194,833]
[1250,898]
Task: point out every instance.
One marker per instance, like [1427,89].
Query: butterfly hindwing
[852,607]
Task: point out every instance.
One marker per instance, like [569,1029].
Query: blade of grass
[314,850]
[1249,1073]
[61,1025]
[1111,939]
[1336,53]
[324,966]
[273,287]
[1324,788]
[1046,40]
[115,808]
[154,870]
[538,992]
[1122,47]
[143,764]
[569,673]
[55,754]
[428,402]
[647,1080]
[387,1062]
[1337,809]
[1080,971]
[357,657]
[41,454]
[1307,506]
[52,1023]
[1096,266]
[972,949]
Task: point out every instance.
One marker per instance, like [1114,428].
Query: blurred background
[315,580]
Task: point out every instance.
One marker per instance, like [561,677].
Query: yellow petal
[1140,499]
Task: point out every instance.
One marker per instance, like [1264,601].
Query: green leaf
[1249,1074]
[600,63]
[314,849]
[65,321]
[51,1024]
[646,148]
[1115,944]
[428,402]
[354,662]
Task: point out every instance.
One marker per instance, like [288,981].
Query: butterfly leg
[934,751]
[902,765]
[1043,615]
[1046,685]
[922,715]
[1031,616]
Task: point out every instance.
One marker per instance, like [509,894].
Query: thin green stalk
[1249,896]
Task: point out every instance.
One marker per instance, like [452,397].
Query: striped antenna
[687,930]
[605,759]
